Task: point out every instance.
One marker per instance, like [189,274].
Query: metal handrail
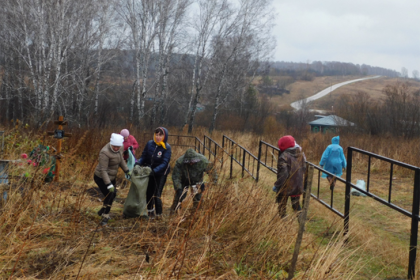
[216,147]
[241,160]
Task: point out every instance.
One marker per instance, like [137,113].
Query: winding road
[297,104]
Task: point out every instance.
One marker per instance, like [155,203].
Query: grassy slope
[47,233]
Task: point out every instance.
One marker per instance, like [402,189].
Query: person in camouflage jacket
[189,172]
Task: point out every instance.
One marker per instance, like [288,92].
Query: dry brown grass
[48,230]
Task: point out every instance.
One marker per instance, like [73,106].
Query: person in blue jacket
[156,154]
[333,161]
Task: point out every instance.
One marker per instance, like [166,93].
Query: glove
[275,189]
[128,174]
[152,173]
[130,148]
[111,188]
[125,152]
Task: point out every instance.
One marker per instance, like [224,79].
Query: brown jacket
[290,171]
[109,161]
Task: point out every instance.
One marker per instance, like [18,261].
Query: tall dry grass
[50,231]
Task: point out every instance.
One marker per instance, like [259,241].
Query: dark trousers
[109,196]
[154,193]
[181,194]
[282,201]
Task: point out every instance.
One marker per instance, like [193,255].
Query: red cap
[286,142]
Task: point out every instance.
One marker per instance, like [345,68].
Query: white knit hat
[117,140]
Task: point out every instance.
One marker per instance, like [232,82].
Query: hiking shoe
[104,221]
[151,213]
[101,211]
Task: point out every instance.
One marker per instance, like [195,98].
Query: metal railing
[414,214]
[241,156]
[213,148]
[187,141]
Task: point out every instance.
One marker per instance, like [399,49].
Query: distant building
[328,123]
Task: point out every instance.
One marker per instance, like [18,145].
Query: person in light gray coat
[110,159]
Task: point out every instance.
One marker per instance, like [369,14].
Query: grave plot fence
[241,156]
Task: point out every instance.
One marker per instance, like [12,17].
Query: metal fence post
[204,146]
[215,151]
[259,161]
[2,142]
[414,226]
[209,143]
[243,163]
[195,145]
[231,159]
[223,149]
[348,188]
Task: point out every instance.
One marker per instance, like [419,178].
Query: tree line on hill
[330,68]
[139,61]
[146,62]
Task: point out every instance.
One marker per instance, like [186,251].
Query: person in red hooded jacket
[290,171]
[129,141]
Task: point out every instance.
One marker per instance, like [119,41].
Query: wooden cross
[59,134]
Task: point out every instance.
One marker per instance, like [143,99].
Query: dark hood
[165,131]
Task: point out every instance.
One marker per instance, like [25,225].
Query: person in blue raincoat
[333,161]
[156,154]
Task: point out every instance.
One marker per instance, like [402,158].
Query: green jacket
[186,174]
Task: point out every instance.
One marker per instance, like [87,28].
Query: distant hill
[330,68]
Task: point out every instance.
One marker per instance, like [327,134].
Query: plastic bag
[130,161]
[136,202]
[361,185]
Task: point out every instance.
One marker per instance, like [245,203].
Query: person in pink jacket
[129,141]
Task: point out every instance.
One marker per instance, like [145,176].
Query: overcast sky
[384,33]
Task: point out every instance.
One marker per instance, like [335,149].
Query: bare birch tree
[142,16]
[211,22]
[246,44]
[169,37]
